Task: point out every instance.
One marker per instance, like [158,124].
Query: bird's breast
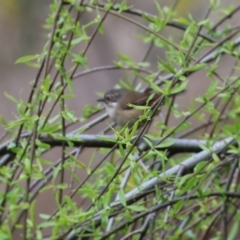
[123,116]
[129,116]
[111,110]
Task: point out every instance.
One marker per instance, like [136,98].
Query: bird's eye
[109,97]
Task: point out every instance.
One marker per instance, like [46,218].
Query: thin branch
[140,13]
[62,170]
[160,206]
[224,207]
[188,164]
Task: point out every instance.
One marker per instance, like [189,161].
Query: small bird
[117,102]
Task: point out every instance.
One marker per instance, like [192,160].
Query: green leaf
[199,167]
[195,67]
[212,88]
[125,57]
[178,205]
[126,133]
[27,165]
[179,88]
[168,131]
[136,208]
[101,29]
[88,192]
[26,58]
[144,64]
[11,98]
[184,21]
[189,184]
[123,6]
[134,129]
[39,234]
[214,4]
[4,235]
[3,121]
[32,211]
[121,150]
[204,22]
[46,84]
[138,107]
[156,88]
[166,143]
[183,127]
[53,119]
[149,18]
[79,163]
[168,67]
[215,158]
[62,186]
[44,216]
[88,110]
[47,224]
[76,40]
[42,145]
[109,168]
[233,232]
[70,203]
[56,170]
[69,116]
[150,144]
[122,197]
[51,128]
[69,82]
[125,85]
[80,60]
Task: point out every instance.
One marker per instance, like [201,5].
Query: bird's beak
[101,100]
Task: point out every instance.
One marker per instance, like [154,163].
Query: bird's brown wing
[140,100]
[144,101]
